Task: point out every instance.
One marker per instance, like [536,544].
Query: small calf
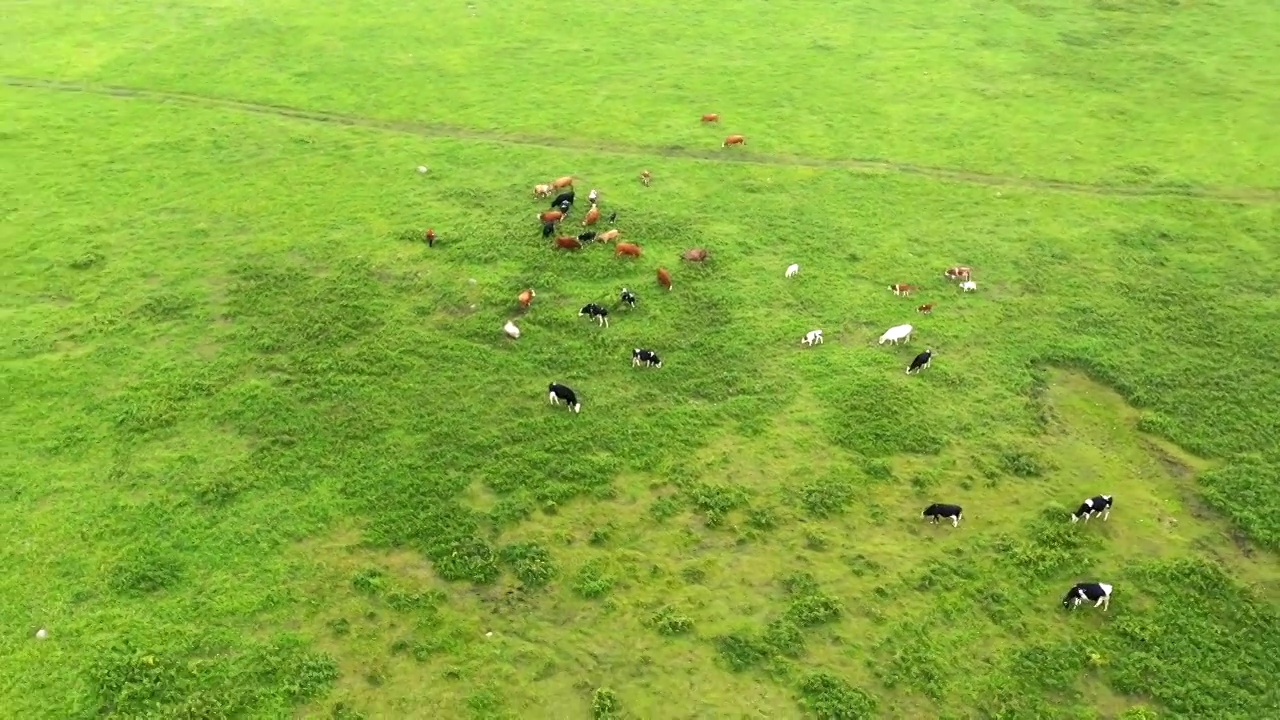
[557,393]
[921,362]
[792,269]
[896,333]
[598,312]
[628,298]
[942,510]
[1093,506]
[968,286]
[811,338]
[645,357]
[925,309]
[1099,593]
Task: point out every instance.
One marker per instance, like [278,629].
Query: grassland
[265,455]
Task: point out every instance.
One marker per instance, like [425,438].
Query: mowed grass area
[267,455]
[1171,93]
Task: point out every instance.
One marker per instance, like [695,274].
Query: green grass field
[265,454]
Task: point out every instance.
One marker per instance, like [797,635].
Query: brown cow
[734,140]
[925,309]
[551,216]
[431,237]
[564,182]
[541,191]
[608,235]
[711,117]
[527,297]
[627,249]
[566,242]
[960,272]
[593,216]
[696,255]
[664,278]
[902,289]
[646,177]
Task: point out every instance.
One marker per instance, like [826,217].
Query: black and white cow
[628,297]
[565,198]
[942,510]
[1093,506]
[921,362]
[556,393]
[565,206]
[587,236]
[1099,593]
[645,357]
[598,312]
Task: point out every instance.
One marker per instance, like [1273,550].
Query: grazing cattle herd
[561,206]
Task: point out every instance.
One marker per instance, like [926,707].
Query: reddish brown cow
[527,297]
[608,235]
[902,289]
[711,117]
[960,272]
[627,249]
[564,182]
[593,216]
[664,278]
[696,255]
[551,216]
[734,140]
[565,242]
[431,237]
[925,309]
[646,177]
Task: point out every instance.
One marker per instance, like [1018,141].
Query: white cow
[792,269]
[511,330]
[896,333]
[968,286]
[811,338]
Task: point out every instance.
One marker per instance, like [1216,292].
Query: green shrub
[827,697]
[740,650]
[605,705]
[814,609]
[784,637]
[530,562]
[145,570]
[826,496]
[669,622]
[592,580]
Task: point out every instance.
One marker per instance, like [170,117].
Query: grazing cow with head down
[811,338]
[562,198]
[541,191]
[896,333]
[921,362]
[628,298]
[598,312]
[511,330]
[557,393]
[647,358]
[527,297]
[551,216]
[587,236]
[593,216]
[960,272]
[1099,593]
[968,286]
[944,511]
[925,309]
[711,117]
[695,255]
[792,269]
[734,140]
[627,249]
[664,278]
[564,182]
[902,289]
[609,235]
[568,243]
[1098,504]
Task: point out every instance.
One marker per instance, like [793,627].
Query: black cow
[942,510]
[562,199]
[613,218]
[628,297]
[921,362]
[1093,506]
[646,357]
[547,229]
[587,236]
[557,393]
[1099,593]
[596,311]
